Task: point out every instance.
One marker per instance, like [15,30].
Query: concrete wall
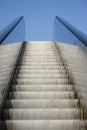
[75,59]
[8,56]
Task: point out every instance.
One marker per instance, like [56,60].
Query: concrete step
[25,55]
[40,67]
[41,60]
[41,53]
[42,71]
[42,114]
[40,49]
[42,103]
[44,125]
[42,63]
[42,76]
[42,88]
[41,56]
[41,81]
[42,95]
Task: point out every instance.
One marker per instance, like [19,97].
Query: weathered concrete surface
[75,60]
[42,96]
[8,56]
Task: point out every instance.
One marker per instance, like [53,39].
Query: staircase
[42,97]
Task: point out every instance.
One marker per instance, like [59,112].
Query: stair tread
[43,125]
[42,87]
[56,70]
[41,95]
[41,81]
[42,114]
[42,103]
[40,76]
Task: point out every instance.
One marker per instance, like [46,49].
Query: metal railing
[14,32]
[67,33]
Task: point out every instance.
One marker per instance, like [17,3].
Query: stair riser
[41,60]
[41,77]
[26,57]
[41,114]
[42,72]
[41,88]
[39,82]
[42,63]
[42,95]
[51,103]
[41,67]
[40,124]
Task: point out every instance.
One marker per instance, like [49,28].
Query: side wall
[8,58]
[75,60]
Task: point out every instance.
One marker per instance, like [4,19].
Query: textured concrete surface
[42,94]
[75,59]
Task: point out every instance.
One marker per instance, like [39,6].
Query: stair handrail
[4,33]
[76,32]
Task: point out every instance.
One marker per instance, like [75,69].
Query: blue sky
[40,14]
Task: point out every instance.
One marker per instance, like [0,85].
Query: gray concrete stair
[42,88]
[44,125]
[42,114]
[42,103]
[42,96]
